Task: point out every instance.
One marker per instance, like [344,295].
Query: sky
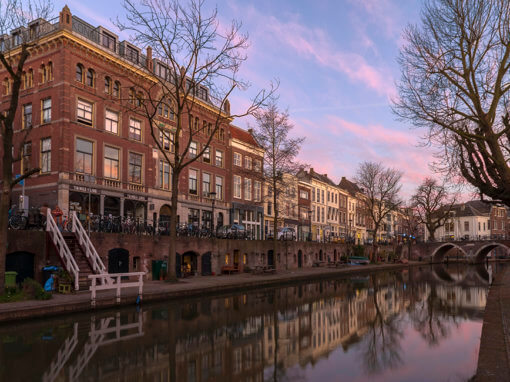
[336,61]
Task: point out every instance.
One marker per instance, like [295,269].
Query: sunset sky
[336,62]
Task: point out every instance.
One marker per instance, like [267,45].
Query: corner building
[95,152]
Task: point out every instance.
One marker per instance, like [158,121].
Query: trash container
[10,279]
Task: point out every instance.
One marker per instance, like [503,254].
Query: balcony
[136,187]
[112,183]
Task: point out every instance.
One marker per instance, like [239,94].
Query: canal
[418,324]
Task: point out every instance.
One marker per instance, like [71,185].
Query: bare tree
[199,61]
[381,187]
[455,83]
[433,203]
[411,226]
[280,166]
[14,53]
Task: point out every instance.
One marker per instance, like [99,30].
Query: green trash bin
[10,279]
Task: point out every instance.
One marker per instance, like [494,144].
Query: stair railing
[86,244]
[62,249]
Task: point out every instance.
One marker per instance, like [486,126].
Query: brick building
[246,180]
[95,150]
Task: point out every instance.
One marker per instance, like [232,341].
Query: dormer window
[132,54]
[17,38]
[108,41]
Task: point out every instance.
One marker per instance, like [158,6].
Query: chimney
[250,131]
[311,170]
[148,64]
[66,19]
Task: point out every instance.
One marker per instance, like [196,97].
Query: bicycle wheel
[17,222]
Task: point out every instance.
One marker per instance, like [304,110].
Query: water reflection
[378,325]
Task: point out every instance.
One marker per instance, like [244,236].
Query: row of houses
[96,154]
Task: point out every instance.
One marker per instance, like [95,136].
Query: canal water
[418,324]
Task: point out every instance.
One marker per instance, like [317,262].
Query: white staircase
[62,249]
[65,253]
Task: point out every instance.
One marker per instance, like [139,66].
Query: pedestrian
[57,216]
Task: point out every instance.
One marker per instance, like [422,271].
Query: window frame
[237,187]
[106,120]
[45,156]
[45,111]
[83,119]
[193,182]
[105,158]
[130,178]
[76,152]
[132,128]
[220,157]
[238,159]
[24,124]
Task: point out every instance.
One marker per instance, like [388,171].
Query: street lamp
[310,225]
[212,195]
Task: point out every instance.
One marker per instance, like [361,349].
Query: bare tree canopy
[14,52]
[455,83]
[196,70]
[381,187]
[433,202]
[272,133]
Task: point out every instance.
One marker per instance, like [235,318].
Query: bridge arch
[440,252]
[484,250]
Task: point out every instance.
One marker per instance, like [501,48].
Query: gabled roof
[243,135]
[351,187]
[472,208]
[321,177]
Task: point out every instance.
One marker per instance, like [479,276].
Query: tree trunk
[432,232]
[275,224]
[172,275]
[373,254]
[5,199]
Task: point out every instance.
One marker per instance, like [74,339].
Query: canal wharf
[190,287]
[494,354]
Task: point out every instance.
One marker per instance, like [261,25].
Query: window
[328,196]
[135,129]
[27,79]
[135,168]
[79,73]
[46,155]
[466,226]
[206,184]
[257,166]
[219,187]
[303,194]
[206,156]
[111,162]
[84,112]
[84,153]
[164,175]
[111,122]
[323,214]
[257,191]
[107,85]
[108,41]
[166,139]
[193,148]
[90,78]
[313,194]
[49,71]
[247,189]
[27,116]
[219,158]
[27,157]
[7,86]
[237,187]
[116,89]
[193,178]
[46,110]
[322,192]
[132,54]
[237,159]
[247,162]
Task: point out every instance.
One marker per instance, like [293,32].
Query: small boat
[359,260]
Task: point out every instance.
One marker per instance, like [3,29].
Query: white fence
[110,281]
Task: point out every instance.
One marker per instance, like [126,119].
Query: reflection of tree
[382,347]
[431,317]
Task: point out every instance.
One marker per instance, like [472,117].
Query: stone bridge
[473,251]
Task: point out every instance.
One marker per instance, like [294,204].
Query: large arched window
[79,73]
[90,78]
[108,85]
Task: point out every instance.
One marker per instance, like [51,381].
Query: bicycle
[18,221]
